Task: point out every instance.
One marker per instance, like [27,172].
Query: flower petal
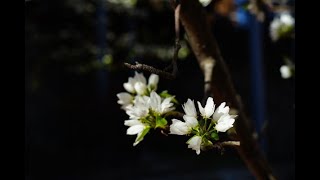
[139,77]
[155,101]
[209,109]
[166,105]
[124,98]
[190,121]
[189,108]
[195,143]
[201,109]
[132,122]
[140,88]
[224,123]
[129,87]
[135,129]
[221,110]
[178,127]
[153,81]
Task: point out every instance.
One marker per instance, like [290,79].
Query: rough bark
[218,83]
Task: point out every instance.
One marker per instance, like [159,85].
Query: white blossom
[189,108]
[158,105]
[190,113]
[224,123]
[136,128]
[221,110]
[153,81]
[285,72]
[182,128]
[137,84]
[179,128]
[140,108]
[280,25]
[208,110]
[195,143]
[125,99]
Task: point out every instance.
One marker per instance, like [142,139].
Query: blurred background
[74,55]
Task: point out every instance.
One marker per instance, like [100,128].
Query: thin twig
[177,46]
[150,69]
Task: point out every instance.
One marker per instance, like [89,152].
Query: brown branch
[219,84]
[227,143]
[150,69]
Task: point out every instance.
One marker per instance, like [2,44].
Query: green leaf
[165,94]
[161,122]
[215,136]
[141,135]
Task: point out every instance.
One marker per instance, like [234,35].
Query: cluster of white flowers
[282,25]
[204,128]
[145,108]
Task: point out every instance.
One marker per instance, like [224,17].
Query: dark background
[74,51]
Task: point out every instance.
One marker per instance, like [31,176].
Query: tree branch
[144,67]
[218,83]
[227,143]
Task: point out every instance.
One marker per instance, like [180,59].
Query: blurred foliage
[84,36]
[79,36]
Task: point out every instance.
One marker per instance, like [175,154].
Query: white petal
[135,129]
[221,110]
[166,105]
[209,109]
[140,88]
[195,143]
[155,102]
[153,81]
[124,98]
[132,122]
[189,108]
[201,109]
[128,87]
[141,100]
[224,123]
[139,77]
[190,121]
[137,111]
[178,127]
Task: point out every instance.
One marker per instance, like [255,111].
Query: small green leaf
[161,122]
[165,94]
[215,136]
[141,136]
